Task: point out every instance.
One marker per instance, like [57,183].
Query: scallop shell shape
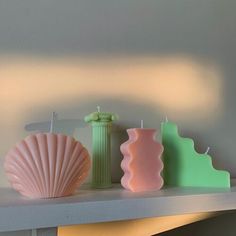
[47,165]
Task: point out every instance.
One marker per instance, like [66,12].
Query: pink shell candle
[142,162]
[47,165]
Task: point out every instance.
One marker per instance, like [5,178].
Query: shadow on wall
[220,225]
[130,113]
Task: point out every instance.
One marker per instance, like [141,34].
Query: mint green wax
[183,166]
[101,147]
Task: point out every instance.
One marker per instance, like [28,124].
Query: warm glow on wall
[172,84]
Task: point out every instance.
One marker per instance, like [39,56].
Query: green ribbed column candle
[101,146]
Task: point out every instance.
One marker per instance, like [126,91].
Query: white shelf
[90,206]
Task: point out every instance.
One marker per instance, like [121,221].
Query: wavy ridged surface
[47,165]
[142,162]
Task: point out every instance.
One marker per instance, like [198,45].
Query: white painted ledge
[90,206]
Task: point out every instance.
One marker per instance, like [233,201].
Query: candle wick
[98,109]
[208,149]
[166,119]
[141,124]
[53,117]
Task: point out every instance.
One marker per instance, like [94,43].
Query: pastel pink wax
[47,165]
[142,164]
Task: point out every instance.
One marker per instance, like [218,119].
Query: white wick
[166,119]
[98,108]
[141,124]
[53,118]
[208,149]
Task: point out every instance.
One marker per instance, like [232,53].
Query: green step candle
[183,166]
[101,147]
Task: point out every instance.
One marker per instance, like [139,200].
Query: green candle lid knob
[100,117]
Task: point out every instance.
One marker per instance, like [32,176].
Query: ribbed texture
[101,175]
[47,165]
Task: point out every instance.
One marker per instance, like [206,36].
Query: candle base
[101,186]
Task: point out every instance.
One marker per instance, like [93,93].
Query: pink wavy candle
[47,165]
[142,164]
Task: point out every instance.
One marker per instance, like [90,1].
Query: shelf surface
[91,206]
